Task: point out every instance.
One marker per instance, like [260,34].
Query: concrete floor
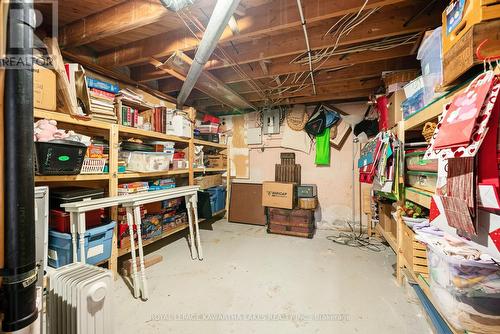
[254,282]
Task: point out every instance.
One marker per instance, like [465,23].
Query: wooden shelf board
[133,175]
[150,134]
[65,118]
[207,143]
[69,178]
[202,170]
[126,250]
[388,237]
[421,197]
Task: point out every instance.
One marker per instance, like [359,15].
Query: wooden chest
[287,173]
[296,222]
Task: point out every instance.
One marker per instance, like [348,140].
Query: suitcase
[296,222]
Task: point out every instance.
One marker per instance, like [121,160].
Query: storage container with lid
[430,55]
[422,180]
[98,244]
[466,291]
[146,161]
[62,195]
[59,157]
[415,161]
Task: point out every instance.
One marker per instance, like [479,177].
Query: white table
[132,204]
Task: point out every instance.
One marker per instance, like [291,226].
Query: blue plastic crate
[98,242]
[219,193]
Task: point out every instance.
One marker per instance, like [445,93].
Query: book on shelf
[102,85]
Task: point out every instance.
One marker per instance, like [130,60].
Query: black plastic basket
[59,157]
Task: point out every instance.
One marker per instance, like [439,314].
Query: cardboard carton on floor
[278,195]
[44,88]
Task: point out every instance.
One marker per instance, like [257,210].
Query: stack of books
[102,98]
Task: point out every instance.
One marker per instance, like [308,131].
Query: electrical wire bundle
[357,239]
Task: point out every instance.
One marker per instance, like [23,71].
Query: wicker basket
[93,166]
[428,131]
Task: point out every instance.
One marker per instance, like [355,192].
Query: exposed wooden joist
[357,95]
[387,22]
[280,66]
[322,89]
[267,19]
[123,17]
[355,72]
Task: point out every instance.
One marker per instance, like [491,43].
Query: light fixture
[176,5]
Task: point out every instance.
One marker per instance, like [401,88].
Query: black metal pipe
[19,273]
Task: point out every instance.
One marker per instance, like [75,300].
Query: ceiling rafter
[268,19]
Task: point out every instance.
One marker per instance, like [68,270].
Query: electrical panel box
[271,122]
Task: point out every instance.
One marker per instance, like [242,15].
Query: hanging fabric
[323,148]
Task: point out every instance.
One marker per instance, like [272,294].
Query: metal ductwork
[179,65]
[176,5]
[19,273]
[223,11]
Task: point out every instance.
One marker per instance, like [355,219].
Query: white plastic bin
[146,161]
[430,55]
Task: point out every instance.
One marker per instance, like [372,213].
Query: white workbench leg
[135,279]
[194,202]
[73,222]
[190,223]
[144,283]
[81,236]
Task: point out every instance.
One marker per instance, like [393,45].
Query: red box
[59,220]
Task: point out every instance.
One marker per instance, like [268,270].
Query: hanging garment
[323,148]
[458,216]
[461,181]
[457,126]
[383,113]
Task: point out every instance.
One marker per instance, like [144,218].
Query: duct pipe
[178,65]
[223,11]
[19,272]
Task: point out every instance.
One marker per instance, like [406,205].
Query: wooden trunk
[296,222]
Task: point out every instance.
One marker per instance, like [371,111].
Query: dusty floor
[254,282]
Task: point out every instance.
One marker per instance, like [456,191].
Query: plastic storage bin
[430,55]
[209,128]
[422,180]
[413,104]
[466,291]
[98,243]
[60,222]
[59,157]
[219,196]
[415,161]
[62,195]
[146,161]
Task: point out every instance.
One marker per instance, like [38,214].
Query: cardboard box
[278,195]
[44,88]
[395,112]
[208,181]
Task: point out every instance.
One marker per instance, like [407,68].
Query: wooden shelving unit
[421,197]
[114,133]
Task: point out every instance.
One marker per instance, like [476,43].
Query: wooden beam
[387,22]
[357,95]
[280,66]
[271,18]
[123,17]
[322,89]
